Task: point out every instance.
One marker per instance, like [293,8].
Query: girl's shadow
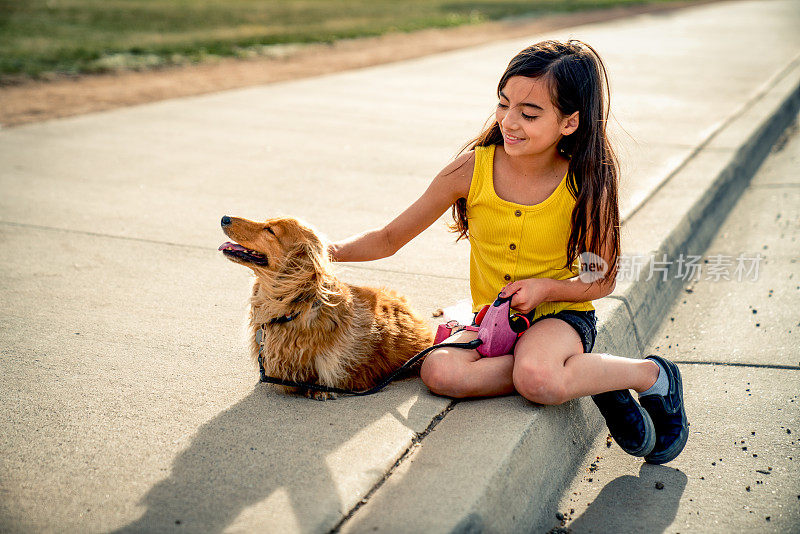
[267,442]
[635,504]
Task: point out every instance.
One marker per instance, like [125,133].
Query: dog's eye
[269,229]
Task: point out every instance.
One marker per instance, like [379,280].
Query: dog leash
[497,335]
[386,381]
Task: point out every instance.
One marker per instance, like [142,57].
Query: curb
[526,457]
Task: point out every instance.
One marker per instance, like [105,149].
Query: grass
[83,36]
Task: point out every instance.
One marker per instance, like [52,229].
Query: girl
[530,193]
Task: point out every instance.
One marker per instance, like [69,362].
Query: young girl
[533,191]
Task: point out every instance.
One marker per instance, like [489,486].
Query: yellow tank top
[510,241]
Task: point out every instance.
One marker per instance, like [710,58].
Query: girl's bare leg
[550,366]
[461,373]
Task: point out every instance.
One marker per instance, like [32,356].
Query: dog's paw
[320,395]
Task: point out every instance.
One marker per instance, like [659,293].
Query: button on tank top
[510,241]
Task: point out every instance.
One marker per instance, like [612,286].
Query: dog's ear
[305,258]
[316,256]
[307,271]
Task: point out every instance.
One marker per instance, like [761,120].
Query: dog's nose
[226,221]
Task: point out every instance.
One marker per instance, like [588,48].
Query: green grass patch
[79,36]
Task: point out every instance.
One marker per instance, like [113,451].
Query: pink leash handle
[496,335]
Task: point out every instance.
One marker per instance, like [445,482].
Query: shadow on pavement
[268,444]
[634,504]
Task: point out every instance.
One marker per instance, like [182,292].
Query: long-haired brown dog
[316,328]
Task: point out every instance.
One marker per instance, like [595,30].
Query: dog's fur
[343,336]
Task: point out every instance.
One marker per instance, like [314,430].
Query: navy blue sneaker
[630,425]
[669,416]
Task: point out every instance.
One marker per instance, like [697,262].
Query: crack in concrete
[741,364]
[97,234]
[406,273]
[411,447]
[199,247]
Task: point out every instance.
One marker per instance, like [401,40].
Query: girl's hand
[527,294]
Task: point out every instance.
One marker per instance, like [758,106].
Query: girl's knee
[539,383]
[440,374]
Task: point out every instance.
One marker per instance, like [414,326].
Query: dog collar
[283,319]
[289,316]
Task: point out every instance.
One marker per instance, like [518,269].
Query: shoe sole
[677,446]
[649,435]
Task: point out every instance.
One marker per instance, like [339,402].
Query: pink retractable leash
[497,329]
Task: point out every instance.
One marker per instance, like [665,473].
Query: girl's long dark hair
[577,77]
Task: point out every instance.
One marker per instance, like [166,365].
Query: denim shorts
[584,322]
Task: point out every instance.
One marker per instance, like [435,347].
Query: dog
[316,328]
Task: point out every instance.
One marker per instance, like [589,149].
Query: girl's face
[530,123]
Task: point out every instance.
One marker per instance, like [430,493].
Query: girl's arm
[448,186]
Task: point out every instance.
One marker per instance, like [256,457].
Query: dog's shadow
[269,446]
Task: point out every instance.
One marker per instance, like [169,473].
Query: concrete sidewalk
[129,400]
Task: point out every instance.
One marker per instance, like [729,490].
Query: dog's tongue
[231,246]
